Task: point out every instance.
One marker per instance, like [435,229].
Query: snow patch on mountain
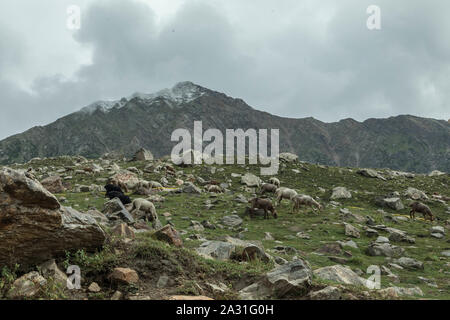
[182,92]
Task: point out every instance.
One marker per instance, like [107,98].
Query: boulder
[123,231]
[34,227]
[328,293]
[437,229]
[340,274]
[415,194]
[143,155]
[27,286]
[250,180]
[384,249]
[219,250]
[370,173]
[53,184]
[124,276]
[232,221]
[170,235]
[291,278]
[392,203]
[409,263]
[341,193]
[49,270]
[115,210]
[351,231]
[126,177]
[288,157]
[189,187]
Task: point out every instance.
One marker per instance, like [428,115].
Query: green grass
[323,228]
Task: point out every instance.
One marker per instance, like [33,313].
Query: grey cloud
[303,66]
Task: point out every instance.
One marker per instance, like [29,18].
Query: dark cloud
[296,59]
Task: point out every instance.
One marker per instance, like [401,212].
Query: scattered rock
[169,234]
[328,293]
[340,274]
[124,276]
[29,285]
[94,287]
[341,193]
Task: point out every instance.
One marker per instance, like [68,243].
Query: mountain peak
[181,92]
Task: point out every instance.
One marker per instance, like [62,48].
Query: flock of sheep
[301,199]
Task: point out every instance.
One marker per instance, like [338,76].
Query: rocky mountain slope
[147,120]
[201,244]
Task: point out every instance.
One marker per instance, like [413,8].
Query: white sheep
[144,206]
[303,199]
[284,193]
[274,181]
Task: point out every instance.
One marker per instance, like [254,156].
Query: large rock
[128,178]
[399,236]
[124,276]
[53,184]
[370,173]
[34,227]
[219,250]
[143,155]
[351,231]
[27,286]
[115,210]
[328,293]
[340,274]
[232,221]
[341,193]
[409,263]
[288,157]
[392,203]
[292,278]
[384,249]
[170,235]
[415,194]
[250,180]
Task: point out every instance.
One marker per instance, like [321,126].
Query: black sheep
[123,198]
[112,187]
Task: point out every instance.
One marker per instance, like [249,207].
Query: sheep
[284,193]
[115,194]
[268,187]
[214,188]
[145,206]
[302,199]
[420,207]
[265,204]
[155,185]
[112,187]
[274,181]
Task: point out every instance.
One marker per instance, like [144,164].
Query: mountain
[147,120]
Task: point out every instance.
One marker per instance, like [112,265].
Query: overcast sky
[293,58]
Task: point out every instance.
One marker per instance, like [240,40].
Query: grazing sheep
[144,206]
[302,199]
[155,185]
[268,187]
[284,193]
[274,181]
[112,187]
[214,188]
[420,207]
[265,204]
[123,198]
